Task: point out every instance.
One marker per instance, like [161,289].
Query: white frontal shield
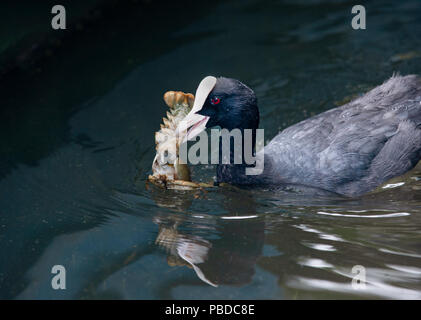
[194,121]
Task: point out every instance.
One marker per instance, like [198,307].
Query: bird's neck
[235,157]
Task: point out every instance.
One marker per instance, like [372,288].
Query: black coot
[348,150]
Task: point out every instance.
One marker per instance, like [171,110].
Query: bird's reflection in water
[222,250]
[301,237]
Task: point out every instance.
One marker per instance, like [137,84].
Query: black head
[231,104]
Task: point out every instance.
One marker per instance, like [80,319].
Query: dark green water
[76,146]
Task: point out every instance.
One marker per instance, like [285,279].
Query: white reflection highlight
[393,185]
[386,215]
[238,217]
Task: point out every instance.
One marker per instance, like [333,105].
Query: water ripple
[387,215]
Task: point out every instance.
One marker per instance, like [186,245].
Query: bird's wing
[399,154]
[350,143]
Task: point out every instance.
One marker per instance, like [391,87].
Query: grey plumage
[354,148]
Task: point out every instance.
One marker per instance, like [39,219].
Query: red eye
[215,100]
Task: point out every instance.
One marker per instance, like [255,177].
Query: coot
[348,150]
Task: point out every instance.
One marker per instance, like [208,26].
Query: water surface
[76,146]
